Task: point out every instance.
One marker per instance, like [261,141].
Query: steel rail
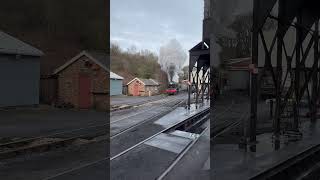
[231,125]
[157,116]
[140,112]
[181,155]
[76,168]
[137,104]
[73,134]
[53,135]
[47,145]
[201,113]
[287,163]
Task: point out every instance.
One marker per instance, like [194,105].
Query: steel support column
[280,36]
[202,85]
[315,75]
[197,87]
[254,77]
[189,84]
[297,75]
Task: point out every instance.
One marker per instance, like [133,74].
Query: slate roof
[115,76]
[99,57]
[146,82]
[149,82]
[11,45]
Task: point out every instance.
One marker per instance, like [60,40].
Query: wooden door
[136,89]
[84,92]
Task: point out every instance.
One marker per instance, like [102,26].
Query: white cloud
[150,24]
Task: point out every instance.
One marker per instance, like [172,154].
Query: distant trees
[143,64]
[115,49]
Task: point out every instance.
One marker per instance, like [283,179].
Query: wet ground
[235,106]
[231,162]
[96,170]
[37,122]
[121,120]
[195,164]
[149,159]
[148,129]
[44,165]
[133,100]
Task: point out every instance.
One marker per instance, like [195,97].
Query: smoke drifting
[171,58]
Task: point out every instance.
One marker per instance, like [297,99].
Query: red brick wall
[144,90]
[131,87]
[68,83]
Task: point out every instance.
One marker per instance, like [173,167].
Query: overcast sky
[148,24]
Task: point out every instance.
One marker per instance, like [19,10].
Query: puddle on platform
[179,114]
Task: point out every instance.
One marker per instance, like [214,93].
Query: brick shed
[143,87]
[83,81]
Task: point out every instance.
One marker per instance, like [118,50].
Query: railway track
[50,141]
[128,105]
[230,117]
[187,122]
[303,166]
[173,103]
[78,168]
[181,155]
[162,101]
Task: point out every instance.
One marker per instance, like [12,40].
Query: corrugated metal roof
[11,45]
[115,76]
